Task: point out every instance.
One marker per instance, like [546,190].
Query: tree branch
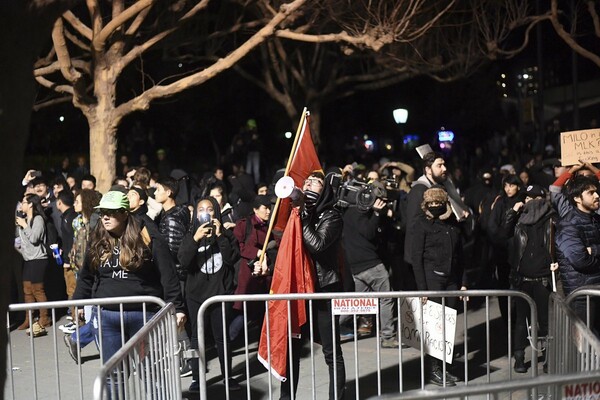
[95,16]
[100,39]
[142,102]
[568,39]
[62,53]
[366,40]
[592,10]
[52,102]
[54,86]
[79,26]
[138,50]
[75,40]
[55,66]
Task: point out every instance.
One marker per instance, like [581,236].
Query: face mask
[437,210]
[310,199]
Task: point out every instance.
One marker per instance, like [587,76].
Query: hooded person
[209,252]
[531,225]
[438,261]
[322,227]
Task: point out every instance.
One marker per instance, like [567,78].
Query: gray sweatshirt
[33,240]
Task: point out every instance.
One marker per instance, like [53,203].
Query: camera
[355,193]
[21,214]
[203,218]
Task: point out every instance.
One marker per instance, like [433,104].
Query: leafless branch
[62,53]
[79,26]
[99,40]
[75,40]
[52,102]
[54,86]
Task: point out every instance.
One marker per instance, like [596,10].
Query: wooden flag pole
[287,171]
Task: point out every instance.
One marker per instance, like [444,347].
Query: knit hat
[114,200]
[535,191]
[435,194]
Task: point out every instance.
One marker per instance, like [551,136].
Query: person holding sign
[438,261]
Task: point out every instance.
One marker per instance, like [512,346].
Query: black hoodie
[210,261]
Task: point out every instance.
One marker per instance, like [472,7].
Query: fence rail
[487,346]
[44,371]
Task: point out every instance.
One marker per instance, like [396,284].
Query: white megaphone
[285,187]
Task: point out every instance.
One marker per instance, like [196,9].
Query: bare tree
[444,40]
[584,30]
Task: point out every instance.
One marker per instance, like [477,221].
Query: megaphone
[285,187]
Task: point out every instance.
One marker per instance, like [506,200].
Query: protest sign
[580,145]
[433,315]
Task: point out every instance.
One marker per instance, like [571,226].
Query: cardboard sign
[433,333]
[580,145]
[354,306]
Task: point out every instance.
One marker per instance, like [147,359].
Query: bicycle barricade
[147,366]
[585,301]
[41,367]
[481,346]
[573,366]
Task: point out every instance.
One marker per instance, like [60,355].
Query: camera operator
[361,238]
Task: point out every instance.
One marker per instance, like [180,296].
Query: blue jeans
[88,333]
[111,329]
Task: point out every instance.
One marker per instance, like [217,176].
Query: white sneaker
[67,328]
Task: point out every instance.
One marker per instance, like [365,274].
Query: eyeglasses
[313,182]
[110,213]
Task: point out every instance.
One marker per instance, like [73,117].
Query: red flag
[304,162]
[292,274]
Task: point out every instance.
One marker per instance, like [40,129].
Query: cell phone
[36,174]
[204,218]
[21,214]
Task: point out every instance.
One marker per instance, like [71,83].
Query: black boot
[520,361]
[436,375]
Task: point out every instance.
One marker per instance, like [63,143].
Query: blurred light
[503,76]
[365,137]
[505,95]
[445,136]
[504,85]
[525,76]
[442,145]
[400,115]
[61,118]
[288,135]
[519,76]
[180,65]
[369,145]
[388,147]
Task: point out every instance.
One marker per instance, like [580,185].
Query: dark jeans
[540,295]
[213,321]
[329,338]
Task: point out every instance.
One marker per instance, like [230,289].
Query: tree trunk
[315,125]
[103,150]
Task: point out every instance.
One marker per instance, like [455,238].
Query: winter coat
[574,234]
[173,226]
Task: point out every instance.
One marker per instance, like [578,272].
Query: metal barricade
[587,295]
[484,339]
[573,365]
[42,367]
[147,367]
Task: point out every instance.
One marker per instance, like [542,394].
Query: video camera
[355,193]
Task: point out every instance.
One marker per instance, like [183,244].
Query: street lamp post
[401,116]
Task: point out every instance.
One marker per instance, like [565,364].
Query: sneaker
[194,387]
[437,378]
[389,343]
[451,378]
[72,346]
[234,386]
[69,318]
[36,330]
[67,328]
[346,335]
[185,369]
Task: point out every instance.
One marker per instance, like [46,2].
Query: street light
[400,115]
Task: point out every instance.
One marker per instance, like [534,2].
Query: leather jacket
[323,239]
[173,226]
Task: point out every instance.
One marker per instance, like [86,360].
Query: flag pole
[287,171]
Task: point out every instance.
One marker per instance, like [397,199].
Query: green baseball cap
[114,200]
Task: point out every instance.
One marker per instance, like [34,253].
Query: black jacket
[173,226]
[156,277]
[437,248]
[67,234]
[574,234]
[533,234]
[361,239]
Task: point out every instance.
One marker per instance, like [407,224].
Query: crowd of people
[186,239]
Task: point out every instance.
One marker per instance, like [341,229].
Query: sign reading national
[580,145]
[354,306]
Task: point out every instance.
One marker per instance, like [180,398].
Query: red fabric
[293,274]
[304,162]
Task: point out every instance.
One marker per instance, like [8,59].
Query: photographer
[361,237]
